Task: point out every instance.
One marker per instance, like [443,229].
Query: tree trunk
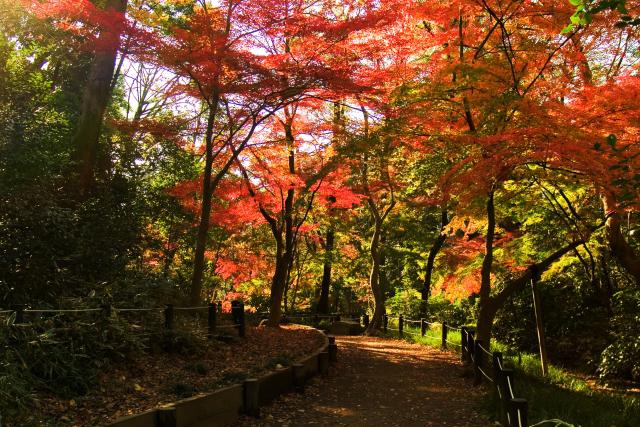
[95,100]
[205,212]
[323,300]
[487,307]
[433,252]
[283,263]
[492,304]
[620,248]
[374,281]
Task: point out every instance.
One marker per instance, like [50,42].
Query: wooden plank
[220,408]
[146,419]
[274,384]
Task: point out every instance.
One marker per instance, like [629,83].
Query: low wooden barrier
[223,406]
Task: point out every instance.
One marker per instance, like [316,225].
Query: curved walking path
[382,382]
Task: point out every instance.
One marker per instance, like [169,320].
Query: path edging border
[223,407]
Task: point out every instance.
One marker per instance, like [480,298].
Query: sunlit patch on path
[381,382]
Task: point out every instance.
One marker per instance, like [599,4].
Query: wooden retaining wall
[222,407]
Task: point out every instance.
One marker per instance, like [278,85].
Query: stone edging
[222,407]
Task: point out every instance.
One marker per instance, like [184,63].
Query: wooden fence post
[506,376]
[251,402]
[237,314]
[471,346]
[478,356]
[211,319]
[445,332]
[423,327]
[496,360]
[333,350]
[298,377]
[365,320]
[385,322]
[19,310]
[323,363]
[463,344]
[168,316]
[401,325]
[106,311]
[166,417]
[518,409]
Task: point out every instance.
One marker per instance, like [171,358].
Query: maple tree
[366,156]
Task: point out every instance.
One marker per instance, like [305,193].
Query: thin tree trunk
[433,252]
[205,212]
[374,280]
[95,99]
[283,263]
[487,308]
[537,307]
[620,248]
[325,286]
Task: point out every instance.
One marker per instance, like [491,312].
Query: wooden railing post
[323,363]
[385,322]
[298,377]
[496,360]
[251,401]
[211,319]
[445,332]
[19,310]
[106,311]
[401,325]
[471,346]
[423,327]
[463,344]
[518,409]
[478,356]
[237,314]
[506,376]
[168,316]
[333,350]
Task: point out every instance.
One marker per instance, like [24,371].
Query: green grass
[562,395]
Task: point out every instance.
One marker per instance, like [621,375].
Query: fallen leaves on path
[382,382]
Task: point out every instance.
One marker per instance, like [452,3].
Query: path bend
[382,382]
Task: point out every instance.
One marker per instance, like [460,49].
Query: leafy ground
[382,382]
[150,380]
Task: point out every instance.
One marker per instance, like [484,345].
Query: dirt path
[381,382]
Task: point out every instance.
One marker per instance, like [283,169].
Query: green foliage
[621,358]
[58,354]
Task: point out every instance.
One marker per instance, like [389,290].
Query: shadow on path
[382,382]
